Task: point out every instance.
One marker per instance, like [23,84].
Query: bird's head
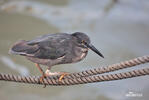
[84,42]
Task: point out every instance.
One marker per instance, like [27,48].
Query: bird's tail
[22,48]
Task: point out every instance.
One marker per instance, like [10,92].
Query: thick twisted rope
[87,76]
[110,68]
[75,81]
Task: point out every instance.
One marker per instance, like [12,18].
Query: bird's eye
[83,42]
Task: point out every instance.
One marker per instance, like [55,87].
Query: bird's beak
[94,49]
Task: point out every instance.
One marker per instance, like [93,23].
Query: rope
[75,81]
[110,68]
[88,76]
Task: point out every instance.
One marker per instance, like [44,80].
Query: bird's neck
[80,53]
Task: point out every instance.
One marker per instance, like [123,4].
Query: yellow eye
[83,42]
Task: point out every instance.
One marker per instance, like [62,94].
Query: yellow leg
[43,74]
[38,66]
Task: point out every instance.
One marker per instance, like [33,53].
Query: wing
[47,37]
[51,46]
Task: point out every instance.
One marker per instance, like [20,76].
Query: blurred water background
[118,28]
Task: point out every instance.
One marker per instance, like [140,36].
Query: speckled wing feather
[51,46]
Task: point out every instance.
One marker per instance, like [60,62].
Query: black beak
[94,49]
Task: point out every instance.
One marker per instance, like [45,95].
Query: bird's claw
[63,74]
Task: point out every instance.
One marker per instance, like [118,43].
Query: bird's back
[49,46]
[56,37]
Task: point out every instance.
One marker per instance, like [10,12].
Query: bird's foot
[62,74]
[42,79]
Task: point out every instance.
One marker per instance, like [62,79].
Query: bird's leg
[43,74]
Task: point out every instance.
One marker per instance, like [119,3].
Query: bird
[54,49]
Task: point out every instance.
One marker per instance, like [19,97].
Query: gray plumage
[53,49]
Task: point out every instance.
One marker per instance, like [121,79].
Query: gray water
[120,30]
